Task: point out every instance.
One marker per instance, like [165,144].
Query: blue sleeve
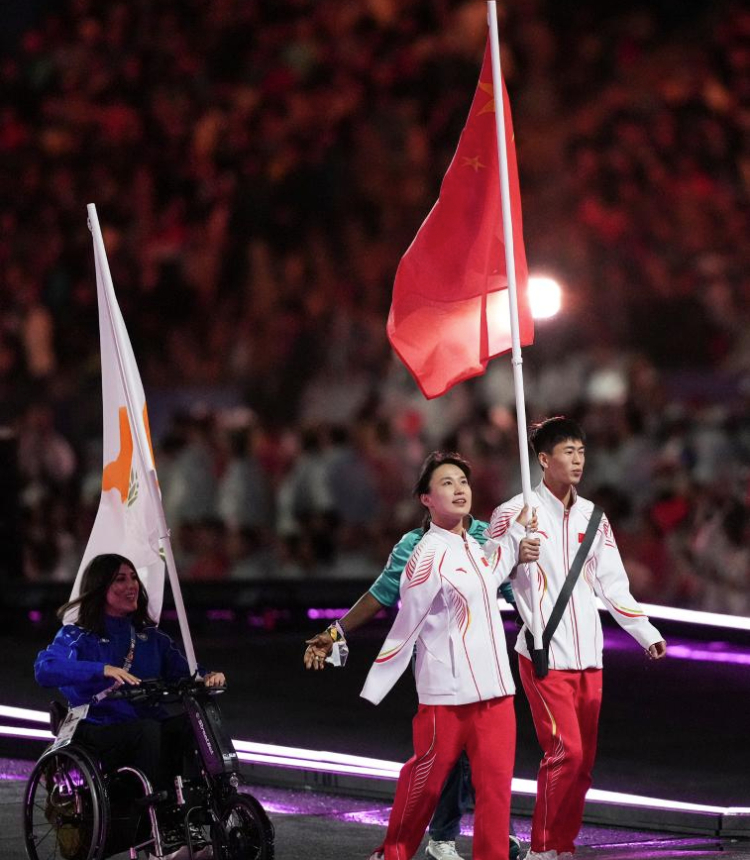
[478,530]
[385,589]
[174,664]
[62,665]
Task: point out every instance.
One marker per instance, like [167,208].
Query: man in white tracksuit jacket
[464,682]
[565,704]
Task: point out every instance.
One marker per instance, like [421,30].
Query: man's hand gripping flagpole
[510,265]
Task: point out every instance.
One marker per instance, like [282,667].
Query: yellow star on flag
[474,163]
[489,107]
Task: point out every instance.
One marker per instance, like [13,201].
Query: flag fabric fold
[449,314]
[127,521]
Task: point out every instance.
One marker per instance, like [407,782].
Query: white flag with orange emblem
[130,510]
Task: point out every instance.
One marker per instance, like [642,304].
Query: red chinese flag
[449,314]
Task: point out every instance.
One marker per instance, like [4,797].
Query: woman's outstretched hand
[657,650]
[318,648]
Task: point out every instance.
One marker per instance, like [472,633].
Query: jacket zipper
[489,619]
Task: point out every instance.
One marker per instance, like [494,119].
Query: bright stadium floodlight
[545,297]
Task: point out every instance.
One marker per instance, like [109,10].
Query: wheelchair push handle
[161,690]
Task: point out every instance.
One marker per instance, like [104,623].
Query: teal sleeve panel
[507,593]
[385,589]
[477,530]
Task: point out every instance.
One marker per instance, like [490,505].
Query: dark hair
[432,462]
[99,574]
[550,432]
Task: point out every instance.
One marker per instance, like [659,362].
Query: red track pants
[565,707]
[487,731]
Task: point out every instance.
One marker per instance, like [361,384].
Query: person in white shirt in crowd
[464,683]
[565,703]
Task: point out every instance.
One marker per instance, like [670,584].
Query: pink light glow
[685,652]
[220,615]
[326,614]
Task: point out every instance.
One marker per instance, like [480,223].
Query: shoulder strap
[575,569]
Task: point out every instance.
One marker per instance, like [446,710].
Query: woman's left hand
[215,679]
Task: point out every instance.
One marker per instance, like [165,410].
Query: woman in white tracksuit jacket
[464,683]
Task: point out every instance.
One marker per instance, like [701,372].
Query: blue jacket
[75,662]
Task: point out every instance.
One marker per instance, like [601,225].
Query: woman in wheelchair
[111,647]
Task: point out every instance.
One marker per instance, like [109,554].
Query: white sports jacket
[577,642]
[449,608]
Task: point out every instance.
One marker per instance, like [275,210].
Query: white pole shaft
[140,438]
[174,580]
[510,268]
[510,260]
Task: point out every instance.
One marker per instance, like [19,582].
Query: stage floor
[319,825]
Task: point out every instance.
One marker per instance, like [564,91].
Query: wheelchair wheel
[244,831]
[65,808]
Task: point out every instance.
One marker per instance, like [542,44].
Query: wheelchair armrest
[57,713]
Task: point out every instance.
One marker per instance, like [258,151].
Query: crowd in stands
[259,168]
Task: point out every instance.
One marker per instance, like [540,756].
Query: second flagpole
[142,443]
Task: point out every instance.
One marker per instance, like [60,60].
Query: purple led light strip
[327,762]
[28,734]
[667,613]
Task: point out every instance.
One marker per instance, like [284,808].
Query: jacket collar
[448,535]
[551,501]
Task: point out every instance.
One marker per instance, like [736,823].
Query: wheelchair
[74,811]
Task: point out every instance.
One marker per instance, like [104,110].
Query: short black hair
[544,435]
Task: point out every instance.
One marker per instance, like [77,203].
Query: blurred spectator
[256,201]
[244,495]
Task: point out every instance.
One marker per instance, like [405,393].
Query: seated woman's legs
[160,748]
[135,744]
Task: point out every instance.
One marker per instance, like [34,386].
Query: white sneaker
[377,855]
[540,855]
[442,850]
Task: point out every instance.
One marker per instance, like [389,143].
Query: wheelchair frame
[68,790]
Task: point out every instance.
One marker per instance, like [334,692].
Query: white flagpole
[140,438]
[510,267]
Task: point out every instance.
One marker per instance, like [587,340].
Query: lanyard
[126,666]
